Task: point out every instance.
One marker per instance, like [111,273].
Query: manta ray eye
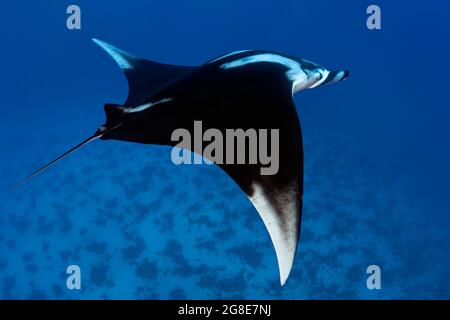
[319,75]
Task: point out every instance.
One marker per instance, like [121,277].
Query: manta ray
[243,89]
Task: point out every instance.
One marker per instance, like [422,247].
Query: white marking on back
[146,106]
[228,55]
[294,72]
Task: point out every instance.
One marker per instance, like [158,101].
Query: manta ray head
[308,75]
[302,73]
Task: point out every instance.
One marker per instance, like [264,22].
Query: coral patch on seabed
[140,232]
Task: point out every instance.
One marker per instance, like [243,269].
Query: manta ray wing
[144,76]
[278,197]
[278,200]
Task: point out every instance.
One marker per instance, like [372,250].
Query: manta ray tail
[65,154]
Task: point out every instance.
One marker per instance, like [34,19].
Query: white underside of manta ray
[243,89]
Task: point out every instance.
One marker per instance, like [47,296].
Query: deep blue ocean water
[377,155]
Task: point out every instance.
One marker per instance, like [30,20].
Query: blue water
[377,155]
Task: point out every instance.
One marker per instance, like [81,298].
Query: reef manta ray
[243,89]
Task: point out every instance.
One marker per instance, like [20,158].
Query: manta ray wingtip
[124,59]
[285,268]
[100,43]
